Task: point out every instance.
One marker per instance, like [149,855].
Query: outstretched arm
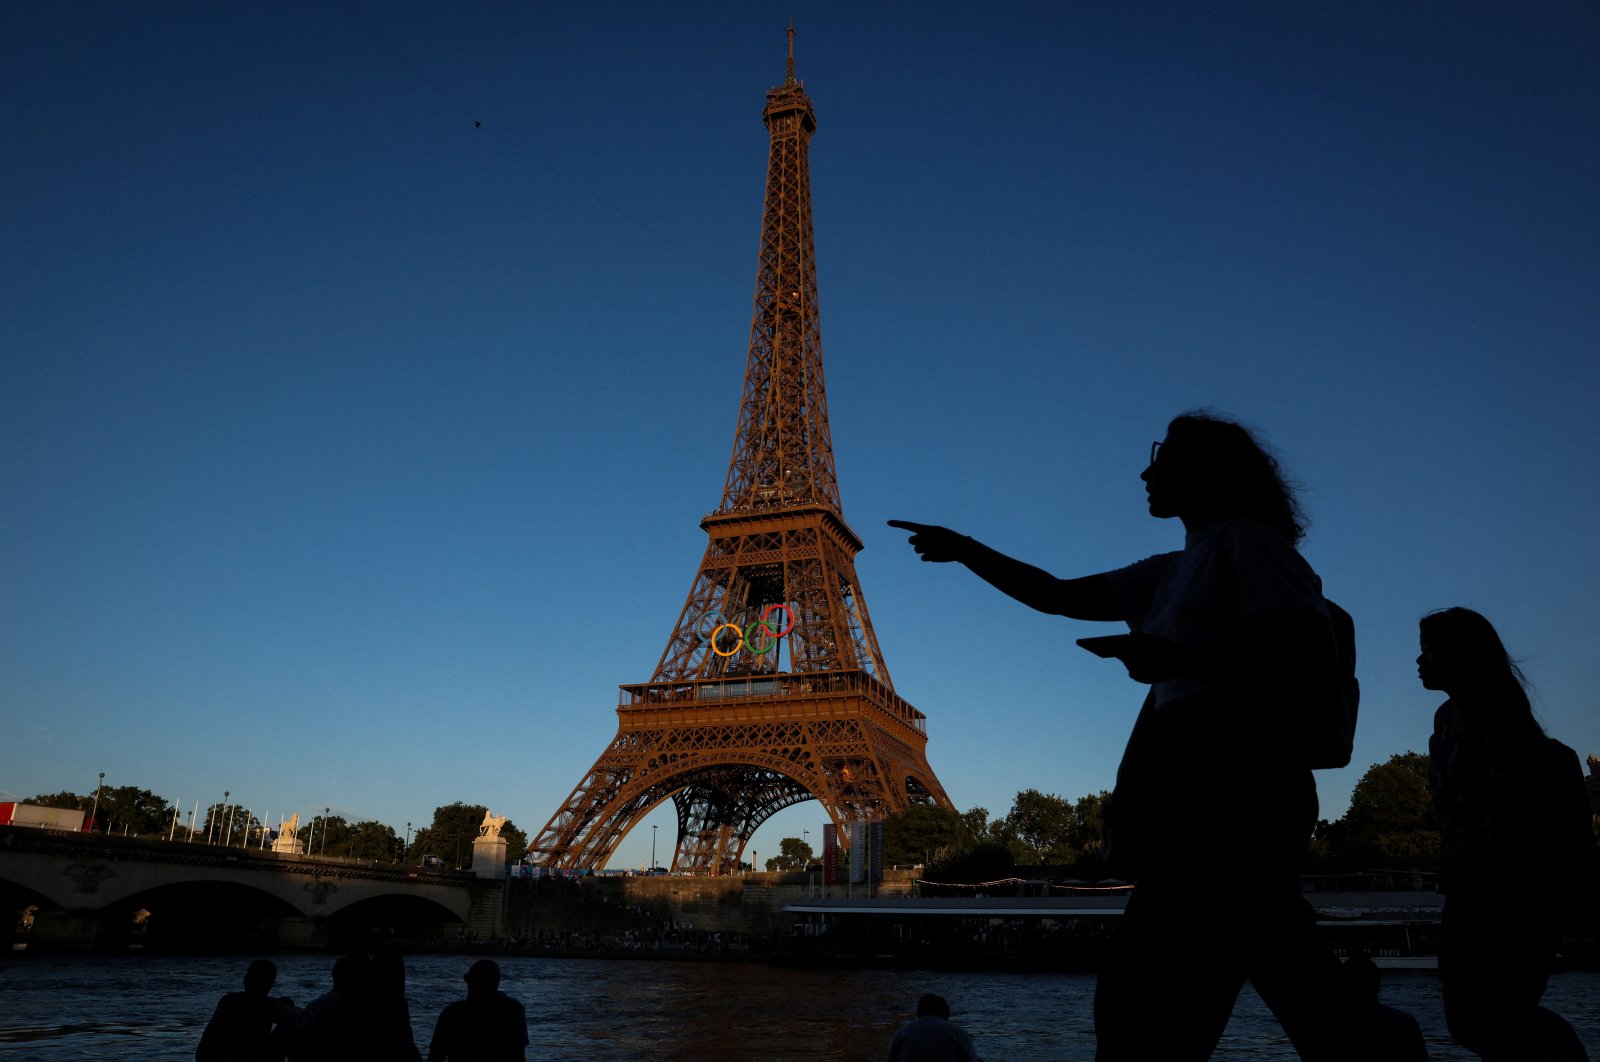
[1088,598]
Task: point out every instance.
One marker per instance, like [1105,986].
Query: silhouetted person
[348,973]
[932,1037]
[388,1012]
[1511,803]
[1395,1035]
[249,1026]
[370,1020]
[1234,638]
[487,1026]
[330,1024]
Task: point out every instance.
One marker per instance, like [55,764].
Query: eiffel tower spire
[772,688]
[782,452]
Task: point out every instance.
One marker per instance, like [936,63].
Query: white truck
[38,818]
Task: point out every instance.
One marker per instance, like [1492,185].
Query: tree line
[130,811]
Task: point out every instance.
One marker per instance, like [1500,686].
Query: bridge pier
[77,929]
[296,933]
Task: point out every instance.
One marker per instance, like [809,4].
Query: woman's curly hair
[1244,476]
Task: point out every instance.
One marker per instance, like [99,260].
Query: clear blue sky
[352,453]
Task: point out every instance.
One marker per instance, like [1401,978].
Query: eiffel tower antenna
[772,689]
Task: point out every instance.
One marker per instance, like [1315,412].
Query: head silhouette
[1462,654]
[259,977]
[1209,467]
[348,972]
[386,975]
[483,977]
[933,1005]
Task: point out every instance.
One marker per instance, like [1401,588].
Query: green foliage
[454,828]
[976,823]
[134,812]
[985,861]
[1040,829]
[228,824]
[793,854]
[121,810]
[366,839]
[1043,829]
[922,834]
[1391,816]
[62,799]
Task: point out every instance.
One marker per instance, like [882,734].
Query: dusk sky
[368,365]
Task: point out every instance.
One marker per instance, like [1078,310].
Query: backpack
[1328,730]
[1331,735]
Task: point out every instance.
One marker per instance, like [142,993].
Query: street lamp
[101,785]
[214,820]
[407,846]
[653,829]
[325,830]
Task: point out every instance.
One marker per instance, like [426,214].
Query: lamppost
[325,830]
[653,846]
[98,786]
[407,846]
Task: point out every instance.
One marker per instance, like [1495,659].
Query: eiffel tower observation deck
[772,689]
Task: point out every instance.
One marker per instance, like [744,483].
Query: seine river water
[147,1007]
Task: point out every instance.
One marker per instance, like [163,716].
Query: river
[149,1007]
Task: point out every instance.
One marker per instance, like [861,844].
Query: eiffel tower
[772,689]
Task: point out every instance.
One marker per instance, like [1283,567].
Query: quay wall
[750,904]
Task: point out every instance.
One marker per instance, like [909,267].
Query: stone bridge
[79,891]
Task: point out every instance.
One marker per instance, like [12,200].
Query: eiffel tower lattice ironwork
[772,689]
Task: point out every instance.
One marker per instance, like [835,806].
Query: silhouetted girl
[1511,805]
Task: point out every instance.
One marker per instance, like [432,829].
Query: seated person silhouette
[932,1037]
[249,1026]
[487,1026]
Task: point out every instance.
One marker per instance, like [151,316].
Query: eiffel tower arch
[772,689]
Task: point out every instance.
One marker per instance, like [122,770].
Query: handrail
[648,695]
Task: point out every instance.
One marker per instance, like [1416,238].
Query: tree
[987,860]
[1088,826]
[366,839]
[793,854]
[62,799]
[1391,814]
[135,812]
[1041,829]
[455,827]
[922,834]
[975,821]
[228,824]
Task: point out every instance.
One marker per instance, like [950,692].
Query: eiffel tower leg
[721,810]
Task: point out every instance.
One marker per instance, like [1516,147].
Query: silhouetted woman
[1214,801]
[1511,805]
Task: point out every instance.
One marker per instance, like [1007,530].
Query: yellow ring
[737,630]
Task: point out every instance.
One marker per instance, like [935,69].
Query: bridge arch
[93,892]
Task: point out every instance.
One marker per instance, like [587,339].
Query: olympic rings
[746,635]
